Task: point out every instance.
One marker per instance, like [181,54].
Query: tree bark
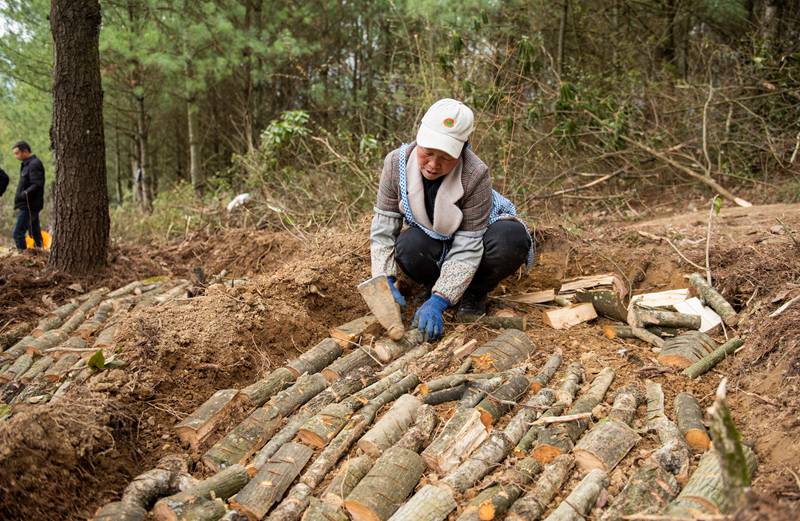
[571,384]
[494,501]
[316,359]
[259,392]
[531,437]
[510,348]
[222,485]
[81,219]
[546,372]
[391,427]
[196,427]
[690,422]
[714,299]
[582,498]
[431,503]
[350,473]
[705,364]
[462,434]
[533,504]
[493,407]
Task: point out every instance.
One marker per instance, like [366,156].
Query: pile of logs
[370,429]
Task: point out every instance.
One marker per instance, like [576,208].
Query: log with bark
[445,395]
[714,299]
[391,427]
[359,357]
[648,491]
[579,503]
[571,384]
[272,480]
[566,317]
[547,371]
[674,455]
[407,360]
[106,337]
[90,326]
[79,315]
[607,302]
[196,427]
[496,321]
[705,364]
[686,349]
[612,331]
[503,352]
[532,505]
[499,402]
[642,316]
[431,503]
[530,411]
[350,473]
[258,393]
[14,334]
[604,446]
[315,359]
[462,434]
[495,500]
[560,438]
[74,344]
[690,422]
[419,435]
[451,380]
[349,333]
[320,511]
[222,485]
[530,438]
[465,349]
[17,369]
[387,349]
[386,486]
[49,339]
[477,389]
[54,319]
[125,290]
[36,369]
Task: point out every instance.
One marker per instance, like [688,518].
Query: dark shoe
[471,306]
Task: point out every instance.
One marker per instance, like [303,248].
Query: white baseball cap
[446,126]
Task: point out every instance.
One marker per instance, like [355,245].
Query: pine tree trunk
[81,219]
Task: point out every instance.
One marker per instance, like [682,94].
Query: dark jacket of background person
[30,190]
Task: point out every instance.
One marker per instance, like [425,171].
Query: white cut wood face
[708,317]
[660,299]
[610,280]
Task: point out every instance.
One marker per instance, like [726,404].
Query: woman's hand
[398,297]
[429,317]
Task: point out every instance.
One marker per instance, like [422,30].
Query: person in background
[461,238]
[3,182]
[29,199]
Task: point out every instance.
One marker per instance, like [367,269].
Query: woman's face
[434,163]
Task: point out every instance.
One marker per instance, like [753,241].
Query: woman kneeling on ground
[462,238]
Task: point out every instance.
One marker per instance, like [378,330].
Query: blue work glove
[429,317]
[398,297]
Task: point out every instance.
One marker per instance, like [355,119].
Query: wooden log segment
[79,315]
[205,510]
[105,339]
[497,321]
[547,371]
[607,302]
[505,351]
[49,339]
[566,317]
[646,336]
[462,434]
[54,319]
[452,380]
[705,364]
[17,369]
[690,422]
[315,359]
[119,511]
[387,349]
[271,482]
[477,389]
[37,368]
[14,334]
[530,411]
[350,473]
[405,361]
[612,331]
[686,349]
[431,503]
[320,511]
[494,501]
[445,395]
[713,298]
[465,349]
[258,393]
[349,333]
[196,427]
[89,327]
[125,290]
[642,316]
[571,384]
[222,485]
[357,358]
[391,427]
[73,344]
[493,407]
[492,451]
[604,446]
[385,487]
[532,505]
[560,438]
[419,435]
[648,491]
[580,501]
[530,438]
[674,455]
[305,388]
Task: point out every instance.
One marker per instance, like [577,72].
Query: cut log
[451,380]
[684,350]
[604,446]
[612,331]
[355,359]
[602,281]
[89,327]
[46,341]
[258,393]
[120,511]
[547,371]
[74,344]
[37,368]
[305,388]
[54,319]
[560,438]
[493,407]
[479,463]
[533,504]
[406,360]
[14,334]
[674,455]
[713,298]
[661,299]
[647,492]
[268,486]
[535,297]
[350,473]
[106,337]
[690,422]
[606,302]
[17,369]
[646,336]
[462,434]
[222,485]
[293,505]
[419,435]
[477,389]
[505,351]
[125,290]
[205,510]
[445,395]
[325,425]
[320,511]
[565,318]
[242,442]
[431,503]
[640,316]
[532,436]
[579,503]
[496,321]
[531,410]
[386,486]
[494,501]
[387,349]
[406,385]
[315,359]
[196,427]
[703,365]
[571,384]
[465,349]
[390,427]
[348,334]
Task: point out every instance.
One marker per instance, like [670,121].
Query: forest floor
[63,460]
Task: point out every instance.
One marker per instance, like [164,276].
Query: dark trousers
[505,248]
[27,222]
